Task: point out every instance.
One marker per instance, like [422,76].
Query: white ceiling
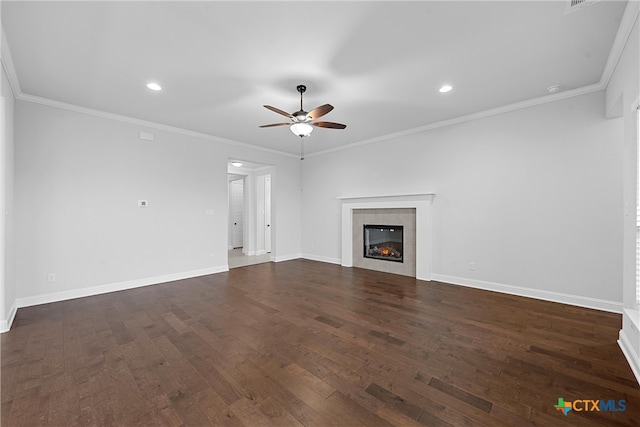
[380,64]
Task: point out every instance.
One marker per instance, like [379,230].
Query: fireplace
[383,242]
[416,257]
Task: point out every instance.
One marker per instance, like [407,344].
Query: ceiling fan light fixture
[301,129]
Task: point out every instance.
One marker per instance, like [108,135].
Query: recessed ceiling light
[553,89]
[154,86]
[236,164]
[445,88]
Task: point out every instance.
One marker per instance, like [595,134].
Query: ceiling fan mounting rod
[301,89]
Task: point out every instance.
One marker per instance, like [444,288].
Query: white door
[267,213]
[236,214]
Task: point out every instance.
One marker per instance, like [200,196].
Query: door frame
[230,224]
[263,244]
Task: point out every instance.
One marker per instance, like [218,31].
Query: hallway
[238,259]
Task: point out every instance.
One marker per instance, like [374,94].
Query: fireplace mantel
[416,196]
[422,203]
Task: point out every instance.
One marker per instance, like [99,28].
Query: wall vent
[575,5]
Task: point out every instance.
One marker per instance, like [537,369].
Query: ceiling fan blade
[279,111]
[275,124]
[320,111]
[329,125]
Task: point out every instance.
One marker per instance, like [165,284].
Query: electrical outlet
[51,277]
[472,266]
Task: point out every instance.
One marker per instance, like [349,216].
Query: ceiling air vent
[575,5]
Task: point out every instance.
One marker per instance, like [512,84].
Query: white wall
[78,179]
[532,197]
[622,91]
[622,95]
[7,272]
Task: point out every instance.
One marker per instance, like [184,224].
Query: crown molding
[627,22]
[7,63]
[9,68]
[139,122]
[450,122]
[470,117]
[624,31]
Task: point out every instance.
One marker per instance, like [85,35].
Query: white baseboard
[5,324]
[285,257]
[113,287]
[633,358]
[580,301]
[322,259]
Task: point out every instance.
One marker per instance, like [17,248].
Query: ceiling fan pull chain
[301,148]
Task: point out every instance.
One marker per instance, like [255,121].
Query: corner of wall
[10,89]
[629,340]
[5,324]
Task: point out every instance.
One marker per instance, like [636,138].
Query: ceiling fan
[302,122]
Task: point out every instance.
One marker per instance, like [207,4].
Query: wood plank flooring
[303,343]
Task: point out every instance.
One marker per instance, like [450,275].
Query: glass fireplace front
[383,242]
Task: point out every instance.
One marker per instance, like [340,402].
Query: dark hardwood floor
[313,344]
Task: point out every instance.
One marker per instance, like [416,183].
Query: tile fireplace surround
[404,217]
[422,203]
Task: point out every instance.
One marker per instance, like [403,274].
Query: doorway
[250,228]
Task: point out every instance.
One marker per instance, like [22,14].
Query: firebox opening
[384,242]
